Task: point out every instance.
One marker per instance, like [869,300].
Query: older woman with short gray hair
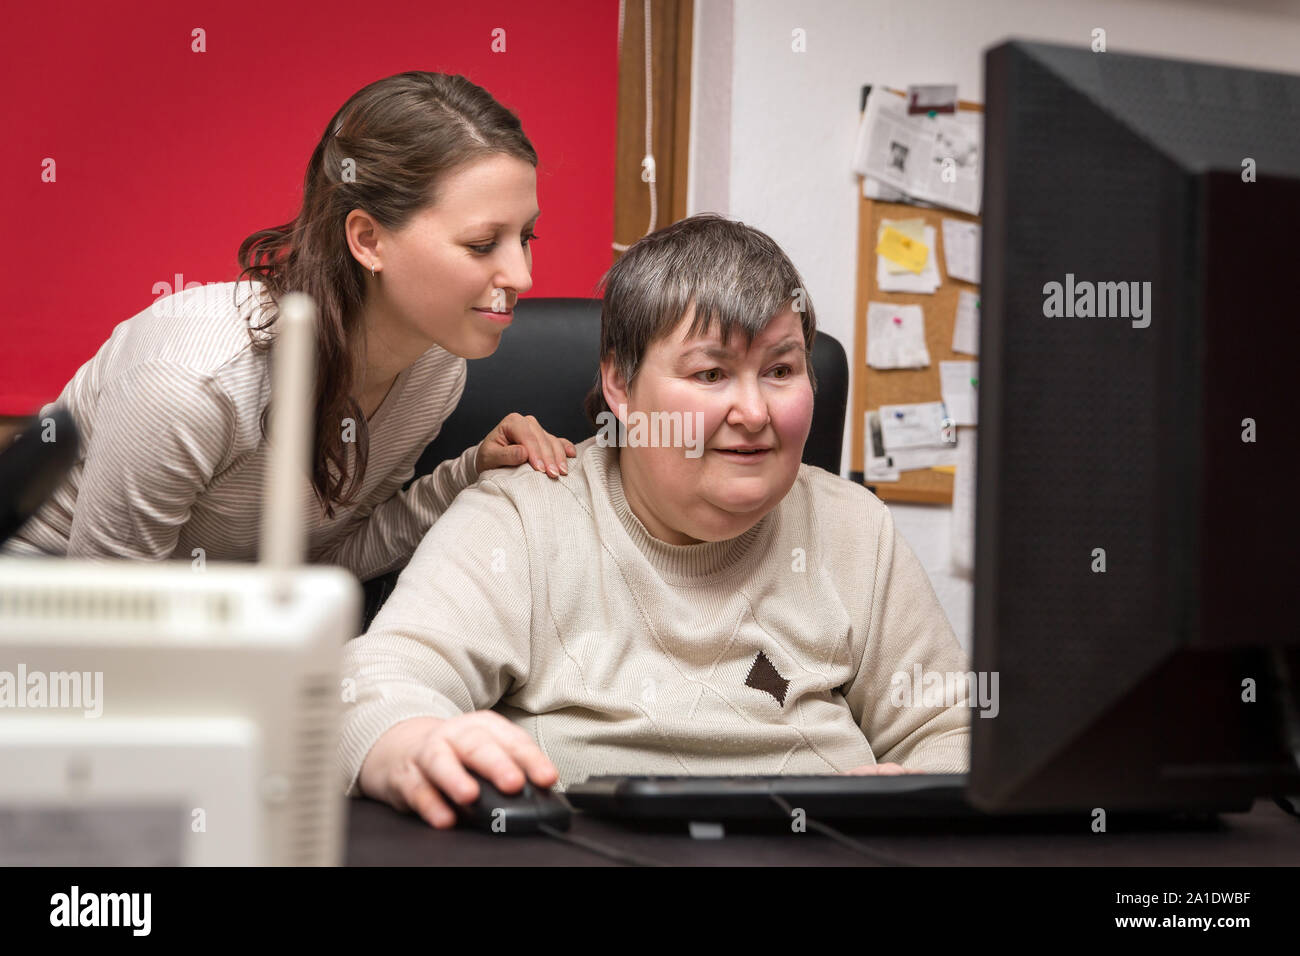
[689,599]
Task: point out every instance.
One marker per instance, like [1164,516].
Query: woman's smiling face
[754,405]
[452,274]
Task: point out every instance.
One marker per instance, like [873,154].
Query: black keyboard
[820,796]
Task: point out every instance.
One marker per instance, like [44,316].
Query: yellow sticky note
[915,228]
[912,228]
[904,250]
[946,469]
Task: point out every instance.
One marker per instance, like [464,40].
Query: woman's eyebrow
[710,351]
[788,345]
[719,352]
[501,225]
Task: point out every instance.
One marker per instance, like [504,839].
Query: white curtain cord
[648,163]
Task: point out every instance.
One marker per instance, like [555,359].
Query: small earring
[372,270]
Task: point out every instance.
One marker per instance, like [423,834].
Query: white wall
[774,148]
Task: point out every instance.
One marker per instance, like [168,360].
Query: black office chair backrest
[548,360]
[33,465]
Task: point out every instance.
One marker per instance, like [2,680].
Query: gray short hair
[732,273]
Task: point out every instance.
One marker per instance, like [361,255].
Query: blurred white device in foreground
[158,714]
[220,708]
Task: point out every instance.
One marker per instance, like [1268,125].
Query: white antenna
[293,379]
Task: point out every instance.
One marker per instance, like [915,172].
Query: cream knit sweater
[769,653]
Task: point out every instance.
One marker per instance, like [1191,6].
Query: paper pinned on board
[912,426]
[961,250]
[879,465]
[958,382]
[966,328]
[963,504]
[928,456]
[903,250]
[932,98]
[932,158]
[912,228]
[925,283]
[913,436]
[873,188]
[896,336]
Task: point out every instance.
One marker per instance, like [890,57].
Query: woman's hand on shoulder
[519,439]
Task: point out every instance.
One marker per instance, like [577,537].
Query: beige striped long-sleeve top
[172,460]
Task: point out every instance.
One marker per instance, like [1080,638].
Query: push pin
[948,431]
[897,320]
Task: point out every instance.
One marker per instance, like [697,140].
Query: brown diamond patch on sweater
[763,676]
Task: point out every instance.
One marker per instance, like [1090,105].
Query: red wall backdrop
[167,158]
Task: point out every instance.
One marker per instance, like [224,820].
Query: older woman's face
[754,408]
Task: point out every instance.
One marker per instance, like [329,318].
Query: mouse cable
[597,847]
[840,838]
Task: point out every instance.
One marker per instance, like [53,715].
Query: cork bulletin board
[876,387]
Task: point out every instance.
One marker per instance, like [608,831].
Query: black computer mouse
[513,813]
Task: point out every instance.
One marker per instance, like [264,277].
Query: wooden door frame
[672,26]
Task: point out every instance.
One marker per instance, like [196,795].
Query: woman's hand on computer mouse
[880,769]
[421,764]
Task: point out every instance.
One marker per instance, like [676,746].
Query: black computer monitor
[1136,521]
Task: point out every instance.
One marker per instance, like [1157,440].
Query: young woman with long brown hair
[413,237]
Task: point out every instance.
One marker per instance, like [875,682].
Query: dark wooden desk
[379,836]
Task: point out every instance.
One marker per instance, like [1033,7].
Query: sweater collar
[678,563]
